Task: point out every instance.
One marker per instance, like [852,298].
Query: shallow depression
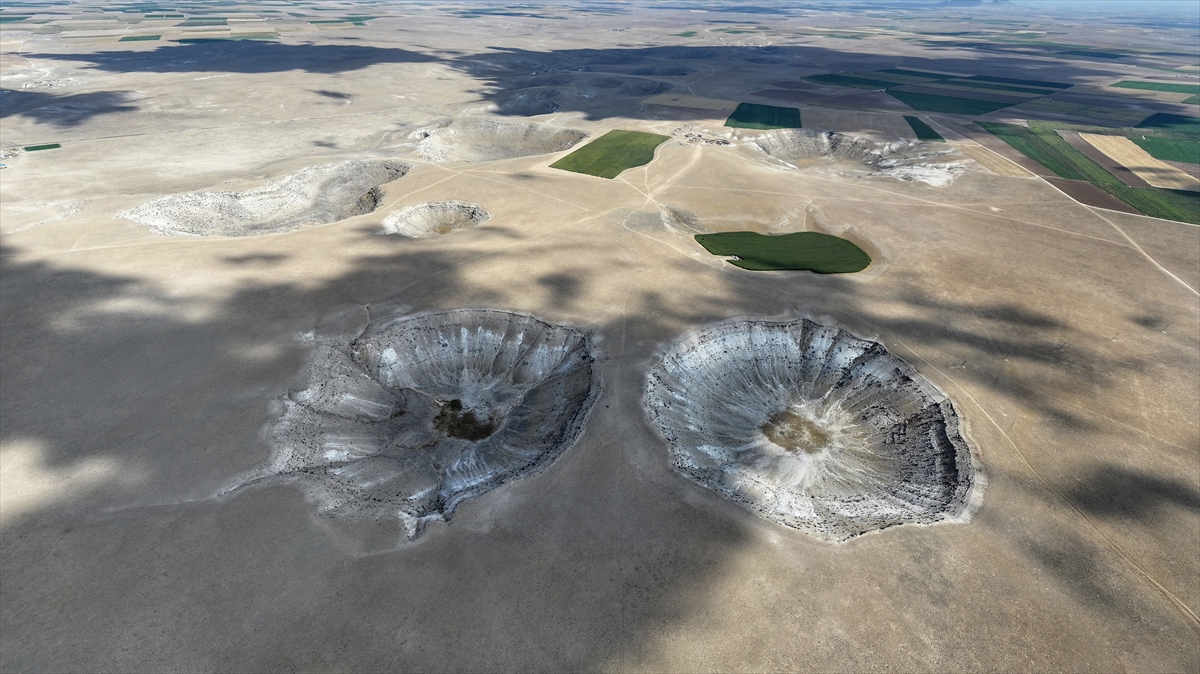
[810,427]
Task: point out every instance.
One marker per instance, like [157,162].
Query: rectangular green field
[47,146]
[755,116]
[950,104]
[138,38]
[1047,148]
[1169,149]
[1114,116]
[1187,127]
[612,153]
[953,90]
[916,73]
[1031,83]
[1159,86]
[1192,100]
[923,130]
[850,81]
[1000,86]
[896,80]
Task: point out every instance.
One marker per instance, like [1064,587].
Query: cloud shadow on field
[63,111]
[243,56]
[1109,491]
[164,397]
[604,83]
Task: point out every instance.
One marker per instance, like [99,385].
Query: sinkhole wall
[418,414]
[487,140]
[313,196]
[811,427]
[433,218]
[900,159]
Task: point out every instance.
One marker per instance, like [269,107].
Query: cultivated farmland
[612,153]
[803,251]
[755,116]
[1048,149]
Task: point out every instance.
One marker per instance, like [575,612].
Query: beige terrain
[143,364]
[1126,153]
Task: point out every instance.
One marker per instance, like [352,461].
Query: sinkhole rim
[963,484]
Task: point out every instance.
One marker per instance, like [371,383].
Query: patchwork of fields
[1048,149]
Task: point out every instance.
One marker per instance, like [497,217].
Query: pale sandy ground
[139,370]
[1127,154]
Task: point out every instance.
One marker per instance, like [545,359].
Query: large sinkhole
[811,427]
[418,414]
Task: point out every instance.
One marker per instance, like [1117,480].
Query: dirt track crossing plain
[390,337]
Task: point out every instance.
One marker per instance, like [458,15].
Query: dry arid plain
[217,218]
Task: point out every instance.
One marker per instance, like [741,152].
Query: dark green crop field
[1159,86]
[755,116]
[951,104]
[1047,148]
[916,73]
[612,153]
[923,130]
[999,86]
[138,38]
[1169,149]
[1187,127]
[47,146]
[850,81]
[801,251]
[1031,83]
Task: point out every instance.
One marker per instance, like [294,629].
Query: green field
[1030,83]
[1169,149]
[923,130]
[810,251]
[916,73]
[951,104]
[686,33]
[47,146]
[1047,148]
[755,116]
[138,38]
[1192,99]
[1000,86]
[612,153]
[1188,127]
[960,90]
[1115,116]
[850,81]
[1159,86]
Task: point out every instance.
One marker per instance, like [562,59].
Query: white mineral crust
[899,159]
[369,438]
[316,195]
[433,218]
[880,445]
